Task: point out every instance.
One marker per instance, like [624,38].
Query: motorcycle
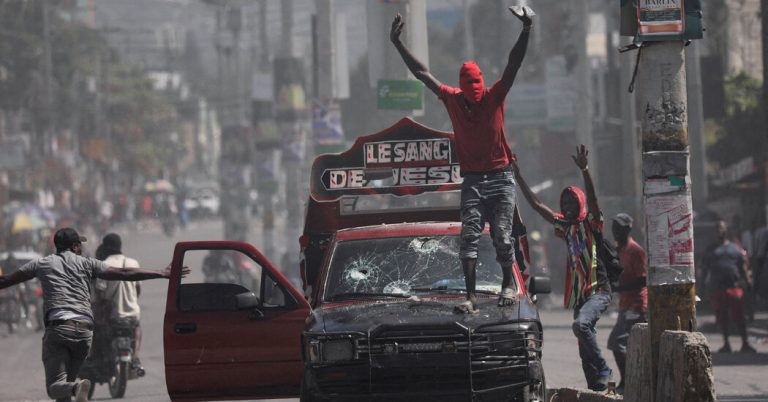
[12,308]
[111,357]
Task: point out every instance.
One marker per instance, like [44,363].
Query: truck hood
[366,316]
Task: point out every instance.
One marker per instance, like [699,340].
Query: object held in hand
[519,11]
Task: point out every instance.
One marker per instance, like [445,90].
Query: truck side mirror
[539,285]
[247,301]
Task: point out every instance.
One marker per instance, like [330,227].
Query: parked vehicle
[376,320]
[203,202]
[27,302]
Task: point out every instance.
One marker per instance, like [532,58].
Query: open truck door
[232,327]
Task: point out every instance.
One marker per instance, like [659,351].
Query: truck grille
[445,360]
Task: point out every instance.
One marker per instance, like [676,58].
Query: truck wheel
[119,380]
[536,392]
[307,390]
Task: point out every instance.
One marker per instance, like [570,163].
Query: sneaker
[136,364]
[747,348]
[601,383]
[81,390]
[725,349]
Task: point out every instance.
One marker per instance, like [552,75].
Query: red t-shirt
[633,259]
[479,133]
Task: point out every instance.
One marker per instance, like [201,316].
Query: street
[738,377]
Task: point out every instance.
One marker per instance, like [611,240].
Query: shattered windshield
[405,266]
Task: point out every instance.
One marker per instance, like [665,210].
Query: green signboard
[400,94]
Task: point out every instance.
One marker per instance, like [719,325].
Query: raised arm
[418,69]
[139,274]
[536,204]
[582,162]
[517,53]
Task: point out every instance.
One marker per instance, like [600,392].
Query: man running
[488,189]
[66,280]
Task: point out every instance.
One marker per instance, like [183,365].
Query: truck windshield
[408,266]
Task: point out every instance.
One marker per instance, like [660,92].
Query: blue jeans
[585,319]
[65,348]
[488,198]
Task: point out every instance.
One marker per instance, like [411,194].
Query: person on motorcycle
[66,280]
[120,298]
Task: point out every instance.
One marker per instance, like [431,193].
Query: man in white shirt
[122,297]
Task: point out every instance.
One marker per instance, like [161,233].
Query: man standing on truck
[66,280]
[587,290]
[488,189]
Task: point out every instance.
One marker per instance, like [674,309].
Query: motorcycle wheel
[119,380]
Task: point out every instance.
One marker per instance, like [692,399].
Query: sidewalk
[738,376]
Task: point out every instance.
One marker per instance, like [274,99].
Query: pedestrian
[488,188]
[633,293]
[66,280]
[587,290]
[122,297]
[726,277]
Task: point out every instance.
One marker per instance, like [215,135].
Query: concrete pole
[583,77]
[669,225]
[700,186]
[764,144]
[49,130]
[630,143]
[469,41]
[325,47]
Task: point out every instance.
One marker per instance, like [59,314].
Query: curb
[579,395]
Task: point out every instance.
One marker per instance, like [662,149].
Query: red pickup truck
[375,321]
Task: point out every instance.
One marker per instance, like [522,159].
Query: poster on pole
[327,130]
[670,230]
[660,17]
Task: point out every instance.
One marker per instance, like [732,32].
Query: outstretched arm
[536,204]
[418,69]
[517,53]
[582,162]
[12,279]
[139,274]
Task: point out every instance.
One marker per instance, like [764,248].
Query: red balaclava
[471,81]
[580,197]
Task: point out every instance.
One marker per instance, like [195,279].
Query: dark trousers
[488,198]
[64,350]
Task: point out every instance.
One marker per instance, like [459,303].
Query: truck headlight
[324,350]
[338,350]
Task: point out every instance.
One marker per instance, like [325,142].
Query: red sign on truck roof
[405,159]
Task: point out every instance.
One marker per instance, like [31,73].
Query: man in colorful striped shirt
[587,290]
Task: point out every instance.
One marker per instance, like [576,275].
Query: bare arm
[582,162]
[13,279]
[517,53]
[417,68]
[138,274]
[536,204]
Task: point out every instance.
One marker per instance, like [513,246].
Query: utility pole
[696,124]
[582,71]
[764,145]
[667,192]
[49,128]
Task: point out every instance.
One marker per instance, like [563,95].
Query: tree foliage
[95,93]
[737,135]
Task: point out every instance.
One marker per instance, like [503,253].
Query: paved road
[738,377]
